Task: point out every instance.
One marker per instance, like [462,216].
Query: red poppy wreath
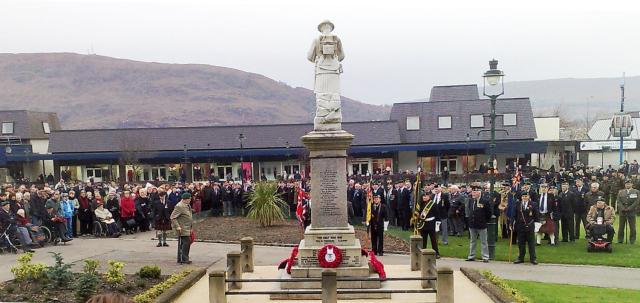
[329,256]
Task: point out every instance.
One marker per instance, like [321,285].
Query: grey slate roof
[28,124]
[211,137]
[454,93]
[460,112]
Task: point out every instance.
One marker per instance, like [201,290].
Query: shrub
[87,285]
[265,205]
[91,266]
[150,272]
[114,275]
[60,273]
[26,271]
[502,284]
[152,293]
[141,283]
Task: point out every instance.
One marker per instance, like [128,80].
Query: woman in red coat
[128,212]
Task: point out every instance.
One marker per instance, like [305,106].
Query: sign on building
[598,145]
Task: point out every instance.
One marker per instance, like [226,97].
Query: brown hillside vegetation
[90,91]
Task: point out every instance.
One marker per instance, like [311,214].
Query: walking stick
[510,242]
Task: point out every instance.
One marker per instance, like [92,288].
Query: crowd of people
[529,207]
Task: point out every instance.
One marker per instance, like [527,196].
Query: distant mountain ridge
[576,98]
[90,91]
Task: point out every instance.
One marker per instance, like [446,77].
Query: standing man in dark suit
[391,200]
[404,206]
[580,207]
[359,201]
[478,212]
[376,225]
[442,203]
[527,214]
[627,206]
[565,202]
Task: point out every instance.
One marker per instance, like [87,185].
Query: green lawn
[540,292]
[624,255]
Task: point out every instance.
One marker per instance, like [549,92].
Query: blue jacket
[66,209]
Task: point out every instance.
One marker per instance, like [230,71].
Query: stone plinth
[328,155]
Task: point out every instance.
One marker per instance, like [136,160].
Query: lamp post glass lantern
[494,81]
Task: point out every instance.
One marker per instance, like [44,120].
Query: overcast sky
[395,50]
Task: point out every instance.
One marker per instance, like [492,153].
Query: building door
[270,170]
[96,173]
[360,168]
[450,162]
[224,171]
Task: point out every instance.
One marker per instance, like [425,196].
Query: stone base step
[341,284]
[354,296]
[316,272]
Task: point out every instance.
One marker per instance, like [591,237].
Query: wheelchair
[596,242]
[9,242]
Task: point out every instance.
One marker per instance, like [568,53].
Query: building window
[380,165]
[7,128]
[46,128]
[509,119]
[477,121]
[428,164]
[450,162]
[444,122]
[413,123]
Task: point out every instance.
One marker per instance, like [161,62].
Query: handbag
[131,222]
[192,236]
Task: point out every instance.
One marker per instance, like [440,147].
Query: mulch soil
[12,291]
[284,233]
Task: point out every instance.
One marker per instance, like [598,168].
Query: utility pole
[622,112]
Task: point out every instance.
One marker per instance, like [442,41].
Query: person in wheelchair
[55,223]
[9,227]
[600,219]
[105,218]
[31,233]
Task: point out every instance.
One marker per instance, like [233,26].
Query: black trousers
[377,240]
[526,238]
[184,245]
[86,226]
[567,228]
[405,219]
[580,218]
[429,231]
[556,233]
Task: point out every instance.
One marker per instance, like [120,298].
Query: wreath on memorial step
[329,256]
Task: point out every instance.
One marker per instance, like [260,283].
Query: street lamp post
[495,79]
[467,161]
[241,138]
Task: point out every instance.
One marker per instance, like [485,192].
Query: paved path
[138,250]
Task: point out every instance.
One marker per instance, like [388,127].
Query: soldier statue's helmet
[325,22]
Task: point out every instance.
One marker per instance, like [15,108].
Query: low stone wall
[194,288]
[493,291]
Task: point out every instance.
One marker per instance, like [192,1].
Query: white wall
[407,160]
[547,129]
[611,158]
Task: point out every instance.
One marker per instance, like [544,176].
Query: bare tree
[132,149]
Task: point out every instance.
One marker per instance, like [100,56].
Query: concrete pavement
[138,250]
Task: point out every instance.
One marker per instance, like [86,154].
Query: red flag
[300,211]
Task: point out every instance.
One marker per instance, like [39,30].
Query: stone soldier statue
[327,53]
[627,206]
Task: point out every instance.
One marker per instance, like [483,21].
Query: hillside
[577,98]
[89,91]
